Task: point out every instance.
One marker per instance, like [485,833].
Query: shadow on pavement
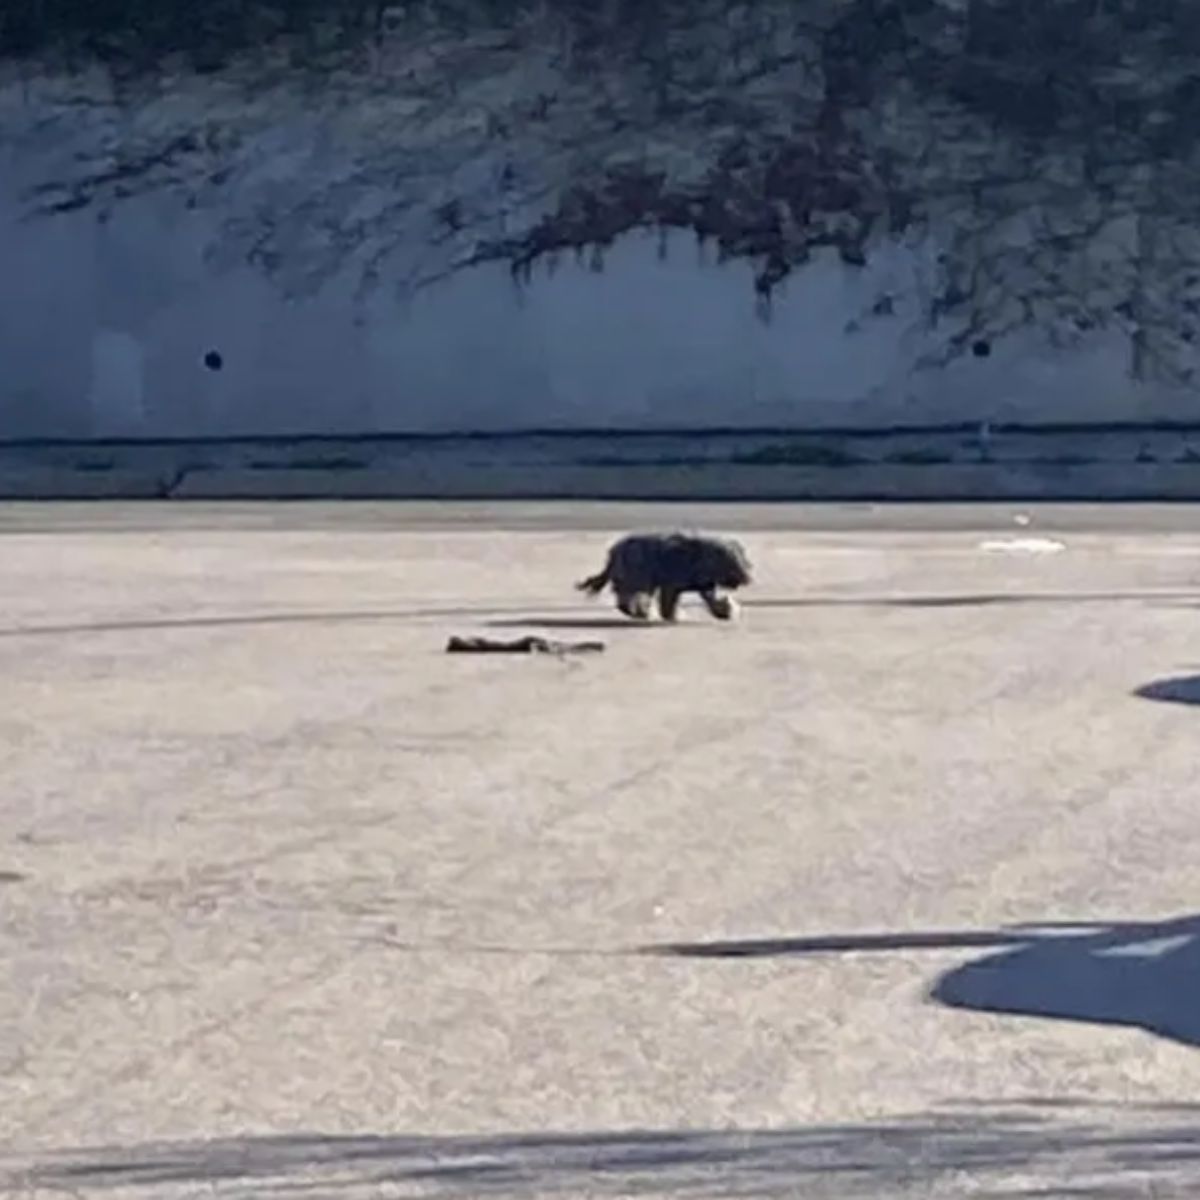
[1144,975]
[1026,1148]
[577,623]
[238,619]
[520,615]
[970,599]
[1184,689]
[965,600]
[850,943]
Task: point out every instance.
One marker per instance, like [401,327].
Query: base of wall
[945,464]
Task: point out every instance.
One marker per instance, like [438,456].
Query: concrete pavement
[294,903]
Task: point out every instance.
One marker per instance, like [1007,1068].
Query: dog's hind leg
[634,604]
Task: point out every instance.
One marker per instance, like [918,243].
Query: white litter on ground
[1023,546]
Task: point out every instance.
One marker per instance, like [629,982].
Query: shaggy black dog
[641,566]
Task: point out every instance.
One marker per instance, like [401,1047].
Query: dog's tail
[595,584]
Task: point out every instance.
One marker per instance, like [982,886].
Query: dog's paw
[725,608]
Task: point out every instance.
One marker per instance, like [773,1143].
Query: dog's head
[727,563]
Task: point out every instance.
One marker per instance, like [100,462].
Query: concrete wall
[747,221]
